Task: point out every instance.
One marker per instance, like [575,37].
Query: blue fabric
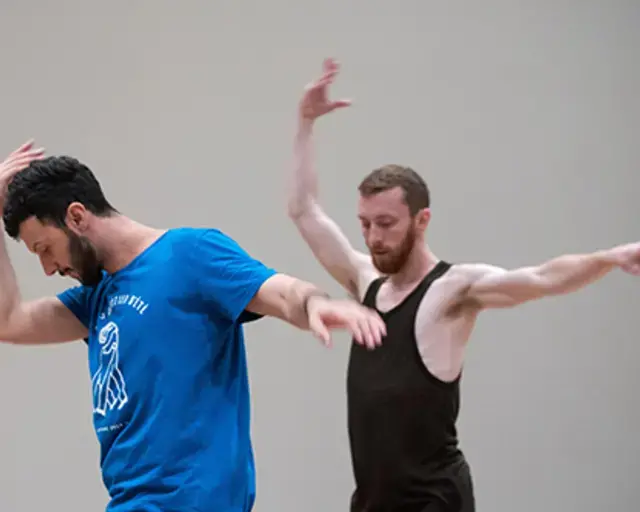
[171,400]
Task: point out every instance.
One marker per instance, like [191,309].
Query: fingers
[374,331]
[321,83]
[379,326]
[357,332]
[632,268]
[17,161]
[368,329]
[32,154]
[364,324]
[330,64]
[330,70]
[26,146]
[326,80]
[340,104]
[319,330]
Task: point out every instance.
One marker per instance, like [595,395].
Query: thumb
[632,268]
[340,104]
[319,330]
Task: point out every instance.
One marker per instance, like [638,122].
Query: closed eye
[385,223]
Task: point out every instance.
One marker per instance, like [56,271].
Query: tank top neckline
[427,279]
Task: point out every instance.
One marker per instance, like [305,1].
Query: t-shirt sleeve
[227,277]
[78,300]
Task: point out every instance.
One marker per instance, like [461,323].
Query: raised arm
[41,321]
[492,287]
[349,267]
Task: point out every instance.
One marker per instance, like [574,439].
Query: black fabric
[402,420]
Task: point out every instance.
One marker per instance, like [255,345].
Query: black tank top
[401,418]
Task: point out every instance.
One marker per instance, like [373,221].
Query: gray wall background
[522,116]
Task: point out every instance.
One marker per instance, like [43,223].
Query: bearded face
[389,229]
[62,251]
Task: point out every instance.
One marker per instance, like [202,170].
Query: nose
[375,237]
[48,267]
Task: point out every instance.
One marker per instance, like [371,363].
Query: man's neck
[121,240]
[420,263]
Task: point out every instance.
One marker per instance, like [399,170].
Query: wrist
[305,121]
[609,257]
[312,298]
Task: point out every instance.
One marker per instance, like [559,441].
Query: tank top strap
[412,301]
[437,271]
[372,291]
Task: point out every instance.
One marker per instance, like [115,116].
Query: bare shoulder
[471,272]
[444,292]
[460,275]
[452,287]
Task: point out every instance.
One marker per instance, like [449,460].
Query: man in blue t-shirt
[162,315]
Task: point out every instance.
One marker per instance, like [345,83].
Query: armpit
[463,277]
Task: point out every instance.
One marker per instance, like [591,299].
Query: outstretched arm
[349,267]
[492,287]
[239,288]
[305,306]
[287,298]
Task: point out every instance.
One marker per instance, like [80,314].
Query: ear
[77,217]
[422,218]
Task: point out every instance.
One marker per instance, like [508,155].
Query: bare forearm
[304,182]
[285,297]
[323,236]
[571,272]
[9,291]
[297,299]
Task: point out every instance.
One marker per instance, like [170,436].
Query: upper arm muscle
[494,287]
[41,321]
[351,268]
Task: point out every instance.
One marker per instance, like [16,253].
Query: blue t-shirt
[171,398]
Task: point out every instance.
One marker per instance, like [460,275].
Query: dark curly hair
[46,188]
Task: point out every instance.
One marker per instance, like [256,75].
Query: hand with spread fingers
[18,160]
[363,323]
[315,101]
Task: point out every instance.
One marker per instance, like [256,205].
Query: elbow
[298,210]
[8,330]
[295,207]
[281,297]
[294,211]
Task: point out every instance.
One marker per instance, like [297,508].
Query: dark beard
[85,260]
[393,262]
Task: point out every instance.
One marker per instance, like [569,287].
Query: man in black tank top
[404,396]
[402,419]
